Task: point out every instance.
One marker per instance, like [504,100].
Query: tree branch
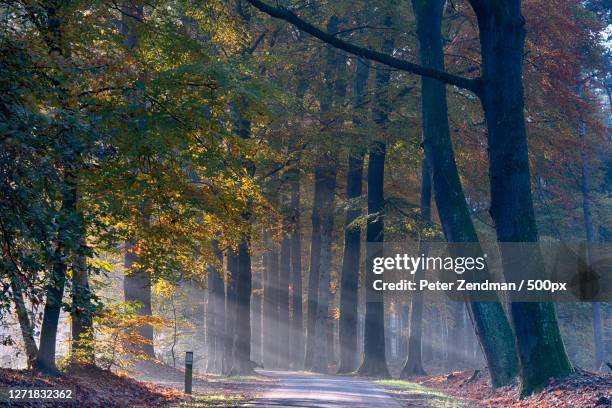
[442,76]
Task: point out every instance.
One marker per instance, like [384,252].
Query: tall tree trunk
[414,363]
[590,237]
[320,176]
[315,265]
[598,337]
[542,354]
[297,321]
[215,316]
[45,359]
[605,236]
[69,220]
[490,322]
[25,324]
[349,284]
[271,343]
[328,187]
[266,302]
[283,295]
[241,362]
[231,303]
[454,332]
[137,283]
[313,275]
[137,288]
[82,349]
[256,319]
[374,363]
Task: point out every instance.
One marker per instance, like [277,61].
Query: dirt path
[308,390]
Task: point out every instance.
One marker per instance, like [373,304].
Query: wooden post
[188,371]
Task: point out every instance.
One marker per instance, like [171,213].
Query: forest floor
[209,390]
[472,388]
[148,385]
[93,388]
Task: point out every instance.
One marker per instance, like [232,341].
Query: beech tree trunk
[326,211]
[256,318]
[25,324]
[82,310]
[82,348]
[455,332]
[491,324]
[45,359]
[215,317]
[591,239]
[271,341]
[241,361]
[414,363]
[69,220]
[349,285]
[322,173]
[374,361]
[137,288]
[297,320]
[313,275]
[137,283]
[266,303]
[231,302]
[283,310]
[542,354]
[605,236]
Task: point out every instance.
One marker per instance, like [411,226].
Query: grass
[212,400]
[241,378]
[407,390]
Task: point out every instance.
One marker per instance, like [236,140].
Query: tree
[82,309]
[374,362]
[270,311]
[284,322]
[589,228]
[502,38]
[414,363]
[323,220]
[104,159]
[231,279]
[137,280]
[297,319]
[215,317]
[352,238]
[328,186]
[492,326]
[49,22]
[242,341]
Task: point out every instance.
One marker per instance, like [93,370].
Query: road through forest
[309,390]
[302,390]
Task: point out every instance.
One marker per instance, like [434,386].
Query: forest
[223,177]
